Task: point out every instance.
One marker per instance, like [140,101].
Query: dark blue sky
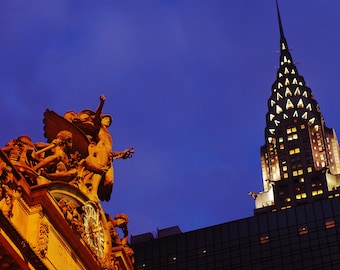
[187,83]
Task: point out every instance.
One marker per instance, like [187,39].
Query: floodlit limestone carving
[61,183]
[42,242]
[120,221]
[79,151]
[8,191]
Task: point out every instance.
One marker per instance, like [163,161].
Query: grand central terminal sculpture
[66,178]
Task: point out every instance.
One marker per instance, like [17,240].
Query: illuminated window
[309,169]
[172,260]
[286,83]
[302,180]
[295,81]
[284,168]
[303,230]
[303,126]
[288,199]
[295,173]
[300,104]
[292,137]
[264,239]
[311,121]
[297,91]
[289,104]
[300,172]
[278,109]
[301,196]
[294,151]
[281,139]
[282,146]
[285,175]
[330,223]
[291,130]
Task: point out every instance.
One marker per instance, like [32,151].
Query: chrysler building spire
[300,159]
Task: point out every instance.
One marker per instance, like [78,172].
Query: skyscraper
[297,216]
[300,158]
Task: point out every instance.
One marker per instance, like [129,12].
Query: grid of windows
[303,237]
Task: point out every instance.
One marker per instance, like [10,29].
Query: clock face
[94,230]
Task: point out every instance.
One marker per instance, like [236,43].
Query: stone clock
[94,229]
[86,218]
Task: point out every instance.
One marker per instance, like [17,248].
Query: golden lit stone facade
[50,211]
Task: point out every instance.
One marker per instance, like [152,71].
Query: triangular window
[288,92]
[295,114]
[305,94]
[278,109]
[309,107]
[304,116]
[278,96]
[300,103]
[297,91]
[312,120]
[289,104]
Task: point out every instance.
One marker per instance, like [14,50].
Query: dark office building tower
[303,237]
[297,217]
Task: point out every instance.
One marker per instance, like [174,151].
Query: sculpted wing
[54,123]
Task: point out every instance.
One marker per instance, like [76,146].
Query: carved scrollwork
[43,238]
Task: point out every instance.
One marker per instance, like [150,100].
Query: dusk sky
[187,84]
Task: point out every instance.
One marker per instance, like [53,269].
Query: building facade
[51,215]
[303,237]
[297,217]
[300,159]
